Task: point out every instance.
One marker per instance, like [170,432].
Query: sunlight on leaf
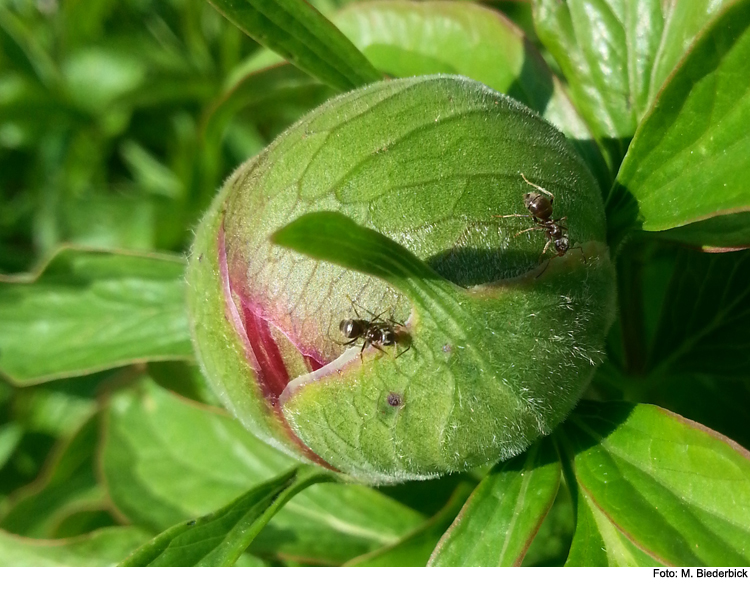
[91,310]
[689,160]
[504,513]
[105,547]
[302,35]
[671,487]
[408,39]
[597,542]
[220,538]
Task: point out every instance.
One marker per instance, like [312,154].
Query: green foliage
[410,39]
[302,35]
[666,486]
[118,122]
[105,547]
[69,490]
[89,310]
[508,506]
[220,538]
[709,307]
[414,549]
[689,157]
[159,474]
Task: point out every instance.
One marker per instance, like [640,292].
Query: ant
[540,209]
[376,332]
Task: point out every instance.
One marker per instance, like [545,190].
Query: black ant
[540,209]
[376,332]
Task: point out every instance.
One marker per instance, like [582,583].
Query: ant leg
[544,269]
[354,306]
[583,254]
[546,246]
[514,215]
[376,316]
[547,192]
[396,323]
[404,351]
[525,230]
[332,340]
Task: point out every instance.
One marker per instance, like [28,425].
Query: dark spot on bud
[191,523]
[395,400]
[200,258]
[447,348]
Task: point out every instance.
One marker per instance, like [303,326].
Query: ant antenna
[356,312]
[373,317]
[547,192]
[583,254]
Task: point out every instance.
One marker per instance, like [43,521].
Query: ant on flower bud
[376,332]
[539,204]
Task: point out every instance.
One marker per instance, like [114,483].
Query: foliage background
[118,121]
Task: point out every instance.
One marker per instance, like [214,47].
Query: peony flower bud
[480,339]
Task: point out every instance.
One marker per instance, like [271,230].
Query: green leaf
[705,323]
[96,77]
[722,404]
[88,310]
[409,39]
[220,538]
[551,545]
[167,460]
[498,523]
[415,549]
[183,378]
[298,32]
[132,220]
[105,547]
[732,232]
[150,173]
[10,435]
[247,88]
[60,407]
[334,237]
[597,542]
[606,50]
[689,160]
[69,484]
[616,55]
[249,85]
[24,50]
[672,488]
[684,21]
[84,520]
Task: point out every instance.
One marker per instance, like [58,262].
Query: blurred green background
[113,126]
[119,119]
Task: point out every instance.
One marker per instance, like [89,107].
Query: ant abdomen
[353,328]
